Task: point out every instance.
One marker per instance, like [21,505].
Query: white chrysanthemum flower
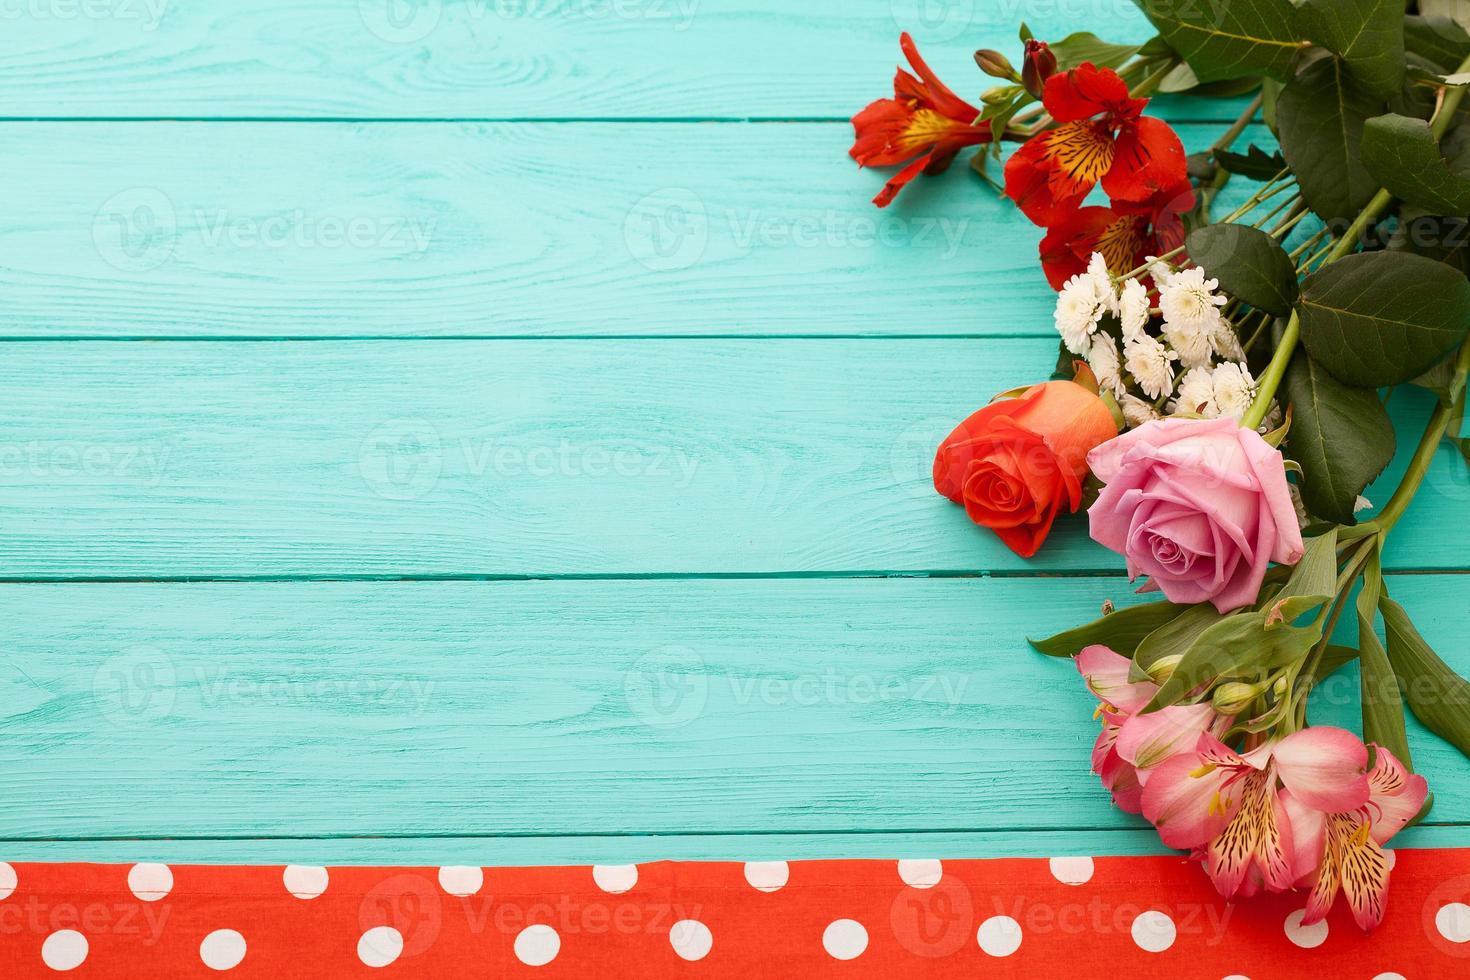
[1361,504]
[1189,301]
[1273,419]
[1097,268]
[1159,270]
[1103,358]
[1080,306]
[1192,344]
[1226,342]
[1133,309]
[1235,389]
[1196,394]
[1302,517]
[1136,411]
[1150,363]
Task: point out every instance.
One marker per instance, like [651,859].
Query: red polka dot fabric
[1066,916]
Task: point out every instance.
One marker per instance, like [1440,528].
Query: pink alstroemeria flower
[1130,744]
[1346,849]
[1229,808]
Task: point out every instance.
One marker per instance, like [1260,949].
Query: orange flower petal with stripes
[923,126]
[1101,137]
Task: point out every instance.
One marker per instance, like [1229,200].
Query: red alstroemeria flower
[1102,136]
[923,125]
[1125,234]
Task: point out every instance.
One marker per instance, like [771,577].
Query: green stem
[1444,413]
[1275,371]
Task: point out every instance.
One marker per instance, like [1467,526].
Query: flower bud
[995,64]
[1163,668]
[1040,65]
[1233,698]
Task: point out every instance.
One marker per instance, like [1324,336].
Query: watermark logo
[147,14]
[667,230]
[400,21]
[934,20]
[136,687]
[136,230]
[667,688]
[401,459]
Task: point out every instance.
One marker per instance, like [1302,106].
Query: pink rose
[1199,506]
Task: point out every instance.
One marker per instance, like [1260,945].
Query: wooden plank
[455,709]
[259,230]
[529,458]
[500,59]
[523,851]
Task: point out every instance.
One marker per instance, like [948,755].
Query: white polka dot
[537,945]
[920,874]
[8,880]
[380,946]
[767,876]
[615,878]
[461,881]
[64,950]
[1071,870]
[222,949]
[304,881]
[999,935]
[1237,976]
[1453,922]
[691,939]
[150,882]
[1307,937]
[1393,858]
[845,939]
[1153,931]
[1388,976]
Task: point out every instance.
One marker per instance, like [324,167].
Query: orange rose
[1016,462]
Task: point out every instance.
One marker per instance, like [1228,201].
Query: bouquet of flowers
[1219,403]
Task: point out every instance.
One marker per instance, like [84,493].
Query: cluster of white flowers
[1192,365]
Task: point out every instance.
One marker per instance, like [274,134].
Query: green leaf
[1238,646]
[1368,34]
[1438,696]
[1438,237]
[1321,120]
[1176,636]
[1341,436]
[1383,705]
[1249,263]
[1074,49]
[1313,581]
[1122,630]
[1437,39]
[1229,40]
[1382,318]
[1404,156]
[1255,163]
[1334,658]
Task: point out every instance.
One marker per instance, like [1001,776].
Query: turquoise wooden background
[498,431]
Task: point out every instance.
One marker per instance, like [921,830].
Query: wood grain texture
[447,59]
[572,708]
[521,851]
[271,230]
[529,458]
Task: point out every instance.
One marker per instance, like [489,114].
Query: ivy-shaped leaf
[1249,263]
[1404,156]
[1367,34]
[1074,49]
[1255,163]
[1341,436]
[1321,120]
[1438,696]
[1382,318]
[1229,40]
